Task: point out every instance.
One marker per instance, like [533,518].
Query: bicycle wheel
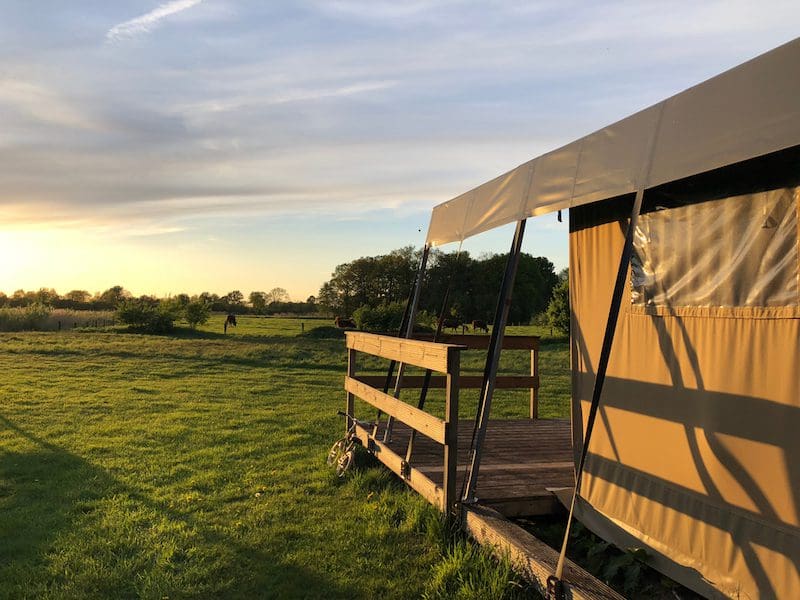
[345,462]
[336,451]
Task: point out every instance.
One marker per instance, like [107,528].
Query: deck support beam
[531,557]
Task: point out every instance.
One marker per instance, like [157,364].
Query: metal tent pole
[393,364]
[423,393]
[554,585]
[492,363]
[409,332]
[555,588]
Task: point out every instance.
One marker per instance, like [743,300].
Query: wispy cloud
[147,21]
[42,104]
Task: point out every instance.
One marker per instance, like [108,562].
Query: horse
[343,323]
[229,320]
[452,323]
[478,324]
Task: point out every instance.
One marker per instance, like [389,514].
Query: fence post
[351,399]
[451,430]
[535,373]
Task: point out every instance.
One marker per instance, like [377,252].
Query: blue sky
[217,144]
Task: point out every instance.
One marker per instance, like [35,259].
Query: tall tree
[114,295]
[258,300]
[234,297]
[277,294]
[77,295]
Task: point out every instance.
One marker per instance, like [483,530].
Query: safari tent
[685,325]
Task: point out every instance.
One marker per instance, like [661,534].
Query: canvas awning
[748,111]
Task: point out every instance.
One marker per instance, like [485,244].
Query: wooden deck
[521,459]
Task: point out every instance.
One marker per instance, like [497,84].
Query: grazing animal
[229,320]
[451,323]
[343,323]
[478,324]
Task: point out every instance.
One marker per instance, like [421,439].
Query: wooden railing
[440,358]
[479,342]
[443,357]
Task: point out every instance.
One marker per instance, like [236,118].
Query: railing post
[535,373]
[351,399]
[451,430]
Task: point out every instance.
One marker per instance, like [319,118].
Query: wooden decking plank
[531,557]
[521,459]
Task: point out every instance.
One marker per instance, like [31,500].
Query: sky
[213,145]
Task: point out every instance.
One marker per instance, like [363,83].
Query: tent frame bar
[408,333]
[492,364]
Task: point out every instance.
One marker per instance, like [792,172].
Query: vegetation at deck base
[193,465]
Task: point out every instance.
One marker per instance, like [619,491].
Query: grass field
[192,465]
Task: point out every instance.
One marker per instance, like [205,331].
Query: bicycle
[343,452]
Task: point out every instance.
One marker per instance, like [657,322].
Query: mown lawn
[193,465]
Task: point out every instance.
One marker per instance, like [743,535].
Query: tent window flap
[740,251]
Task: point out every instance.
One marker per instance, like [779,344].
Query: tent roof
[748,111]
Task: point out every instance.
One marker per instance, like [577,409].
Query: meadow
[193,465]
[38,318]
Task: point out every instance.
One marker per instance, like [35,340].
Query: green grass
[192,465]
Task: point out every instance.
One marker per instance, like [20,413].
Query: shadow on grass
[48,495]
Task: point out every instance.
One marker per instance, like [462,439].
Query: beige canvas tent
[695,454]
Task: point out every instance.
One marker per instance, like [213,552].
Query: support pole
[535,373]
[409,332]
[423,392]
[393,364]
[492,363]
[602,364]
[350,408]
[451,431]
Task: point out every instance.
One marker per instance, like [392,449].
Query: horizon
[202,145]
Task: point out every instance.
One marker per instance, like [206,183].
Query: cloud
[42,104]
[147,21]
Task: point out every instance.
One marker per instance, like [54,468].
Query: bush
[30,318]
[384,318]
[197,313]
[387,318]
[36,315]
[145,316]
[558,310]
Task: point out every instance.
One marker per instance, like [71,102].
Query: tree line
[276,301]
[474,284]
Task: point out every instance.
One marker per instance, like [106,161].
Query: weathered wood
[545,504]
[522,458]
[481,342]
[466,382]
[423,422]
[451,431]
[531,557]
[534,388]
[414,478]
[427,355]
[350,409]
